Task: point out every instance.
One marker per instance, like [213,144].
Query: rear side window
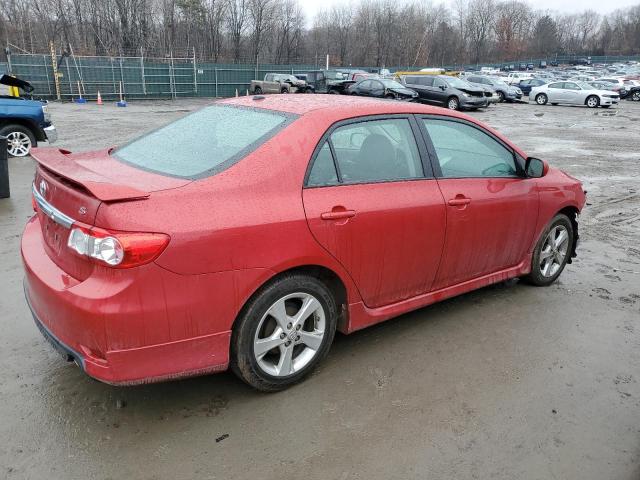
[376,151]
[323,171]
[204,142]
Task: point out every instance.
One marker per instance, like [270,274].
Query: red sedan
[245,234]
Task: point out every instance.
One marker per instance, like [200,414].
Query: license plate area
[54,234]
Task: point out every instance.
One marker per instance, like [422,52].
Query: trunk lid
[70,188]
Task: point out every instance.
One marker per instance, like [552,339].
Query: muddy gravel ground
[508,382]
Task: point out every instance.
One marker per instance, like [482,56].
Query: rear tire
[20,140]
[552,252]
[269,319]
[542,99]
[257,91]
[592,101]
[635,97]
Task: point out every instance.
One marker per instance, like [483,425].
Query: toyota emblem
[43,188]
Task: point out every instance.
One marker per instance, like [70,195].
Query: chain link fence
[137,77]
[169,77]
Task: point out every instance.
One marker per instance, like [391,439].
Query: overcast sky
[311,7]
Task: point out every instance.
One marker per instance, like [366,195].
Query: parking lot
[507,382]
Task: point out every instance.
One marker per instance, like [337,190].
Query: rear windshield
[204,142]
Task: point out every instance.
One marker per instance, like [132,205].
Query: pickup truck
[516,77]
[24,122]
[278,83]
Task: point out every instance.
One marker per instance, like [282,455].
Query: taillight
[116,249]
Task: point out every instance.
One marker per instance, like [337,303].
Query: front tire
[284,331]
[635,97]
[20,140]
[542,99]
[453,103]
[500,97]
[552,252]
[592,101]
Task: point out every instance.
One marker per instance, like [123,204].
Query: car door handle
[459,201]
[338,214]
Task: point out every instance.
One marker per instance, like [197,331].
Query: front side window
[370,151]
[555,85]
[571,86]
[204,142]
[438,82]
[467,151]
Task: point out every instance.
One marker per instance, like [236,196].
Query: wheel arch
[35,129]
[572,212]
[329,277]
[586,100]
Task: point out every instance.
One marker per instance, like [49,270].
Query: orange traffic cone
[99,102]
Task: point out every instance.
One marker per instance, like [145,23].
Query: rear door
[375,206]
[491,208]
[555,92]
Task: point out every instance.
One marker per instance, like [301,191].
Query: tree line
[365,32]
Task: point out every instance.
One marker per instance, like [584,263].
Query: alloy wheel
[18,144]
[452,104]
[592,102]
[636,97]
[554,251]
[289,334]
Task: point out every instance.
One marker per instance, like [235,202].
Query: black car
[450,92]
[528,84]
[382,88]
[328,81]
[632,93]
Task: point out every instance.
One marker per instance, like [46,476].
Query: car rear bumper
[140,326]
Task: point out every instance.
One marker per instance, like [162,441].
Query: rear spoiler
[59,162]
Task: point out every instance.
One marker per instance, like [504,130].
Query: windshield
[391,83]
[332,75]
[204,142]
[457,83]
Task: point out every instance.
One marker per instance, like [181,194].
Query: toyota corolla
[245,234]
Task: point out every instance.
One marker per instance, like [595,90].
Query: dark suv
[450,92]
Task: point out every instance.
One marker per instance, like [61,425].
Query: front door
[379,213]
[491,208]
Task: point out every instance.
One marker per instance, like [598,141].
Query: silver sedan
[573,93]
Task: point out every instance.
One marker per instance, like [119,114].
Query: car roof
[349,106]
[343,107]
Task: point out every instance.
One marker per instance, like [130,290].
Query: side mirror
[443,88]
[535,168]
